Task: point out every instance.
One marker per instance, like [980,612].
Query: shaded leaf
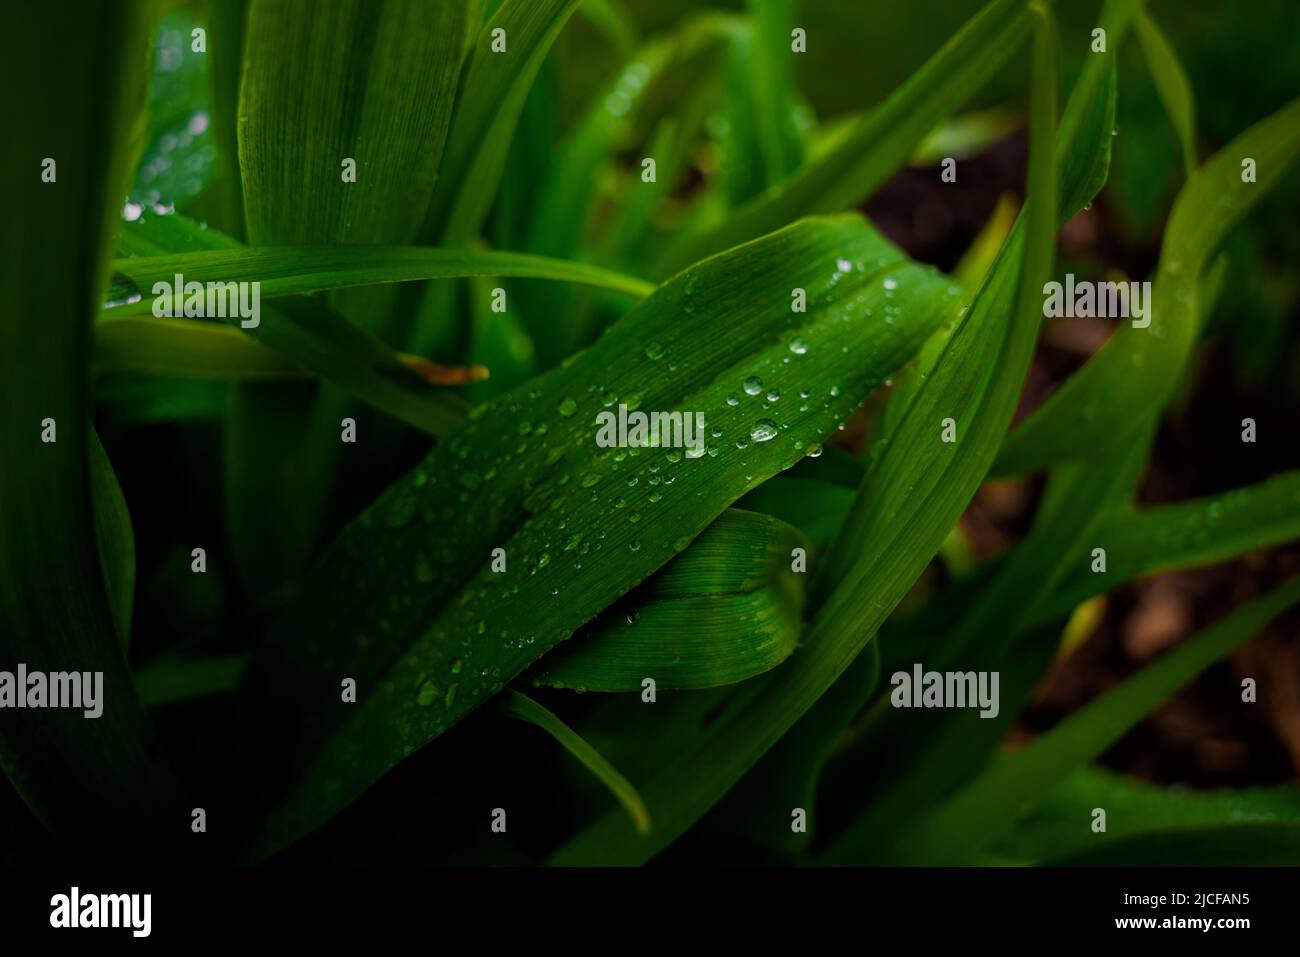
[526,709]
[725,609]
[548,495]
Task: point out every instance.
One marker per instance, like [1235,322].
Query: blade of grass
[1094,407]
[1135,808]
[344,113]
[296,270]
[539,483]
[880,143]
[491,96]
[226,22]
[345,81]
[524,708]
[1171,83]
[1083,171]
[987,808]
[1188,535]
[101,782]
[186,348]
[815,508]
[115,538]
[171,680]
[771,82]
[1226,845]
[922,490]
[725,609]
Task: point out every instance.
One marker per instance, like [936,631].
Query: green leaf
[1171,83]
[609,17]
[788,775]
[172,679]
[918,489]
[770,68]
[986,808]
[1096,405]
[399,610]
[309,334]
[100,782]
[295,270]
[966,135]
[343,117]
[353,80]
[1186,535]
[880,143]
[815,508]
[492,94]
[1226,845]
[115,538]
[1057,826]
[186,348]
[226,22]
[725,609]
[566,200]
[526,709]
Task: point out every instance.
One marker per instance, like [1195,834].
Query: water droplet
[654,351]
[843,265]
[400,512]
[799,347]
[590,479]
[890,283]
[753,385]
[568,407]
[428,694]
[763,431]
[733,399]
[121,291]
[773,396]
